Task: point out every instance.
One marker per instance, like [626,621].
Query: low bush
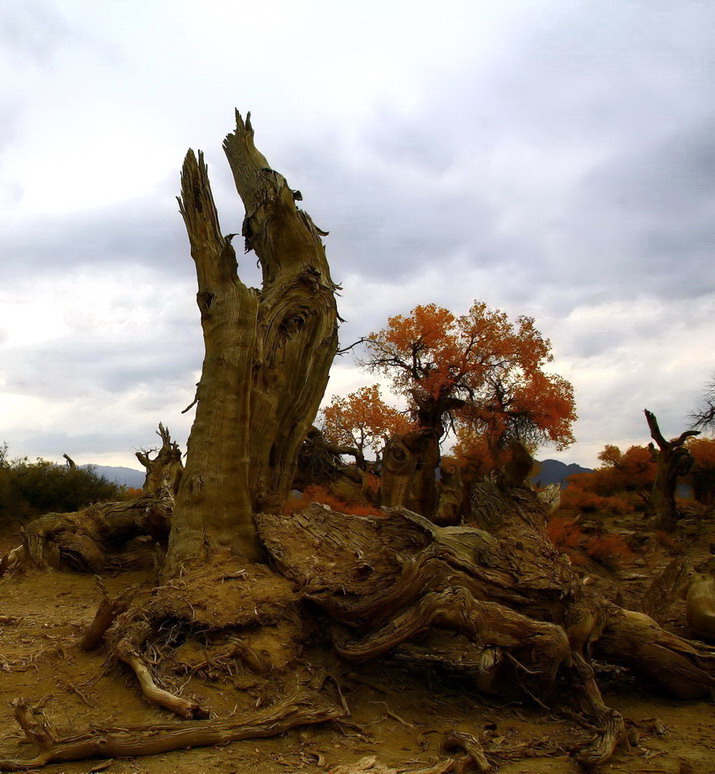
[318,494]
[577,499]
[32,488]
[564,532]
[609,550]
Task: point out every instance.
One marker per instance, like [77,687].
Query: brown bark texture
[88,539]
[267,354]
[409,465]
[495,601]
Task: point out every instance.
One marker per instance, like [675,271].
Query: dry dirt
[397,716]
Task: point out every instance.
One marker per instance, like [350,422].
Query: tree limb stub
[112,742]
[108,610]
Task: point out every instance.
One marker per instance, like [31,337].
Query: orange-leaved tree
[362,420]
[478,370]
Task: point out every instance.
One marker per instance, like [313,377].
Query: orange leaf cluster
[474,454]
[362,420]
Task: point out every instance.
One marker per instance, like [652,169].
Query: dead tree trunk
[267,358]
[164,470]
[672,460]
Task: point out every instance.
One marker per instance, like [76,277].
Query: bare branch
[361,340]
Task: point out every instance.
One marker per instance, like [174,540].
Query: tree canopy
[478,370]
[363,420]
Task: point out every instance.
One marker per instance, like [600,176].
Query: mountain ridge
[550,472]
[128,477]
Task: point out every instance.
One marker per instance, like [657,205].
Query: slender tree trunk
[267,358]
[672,460]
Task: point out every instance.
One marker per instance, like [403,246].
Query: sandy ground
[397,716]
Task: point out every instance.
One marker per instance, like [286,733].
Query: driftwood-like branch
[700,606]
[84,540]
[114,742]
[658,437]
[164,470]
[12,560]
[663,590]
[458,740]
[182,707]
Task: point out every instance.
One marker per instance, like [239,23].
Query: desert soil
[398,716]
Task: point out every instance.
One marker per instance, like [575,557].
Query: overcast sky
[553,159]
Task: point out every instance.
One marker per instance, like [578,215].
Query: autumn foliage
[607,549]
[362,420]
[622,484]
[563,532]
[479,369]
[299,501]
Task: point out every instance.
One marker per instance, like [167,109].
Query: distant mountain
[550,472]
[555,472]
[122,476]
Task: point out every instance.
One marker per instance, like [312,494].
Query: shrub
[32,488]
[563,532]
[608,550]
[318,494]
[575,498]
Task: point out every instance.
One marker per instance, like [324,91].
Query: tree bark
[267,357]
[672,460]
[409,465]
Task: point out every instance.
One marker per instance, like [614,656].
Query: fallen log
[112,742]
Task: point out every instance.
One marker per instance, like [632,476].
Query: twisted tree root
[131,741]
[182,707]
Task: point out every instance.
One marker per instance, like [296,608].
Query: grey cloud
[33,30]
[138,232]
[72,367]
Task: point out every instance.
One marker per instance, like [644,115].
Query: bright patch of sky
[553,159]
